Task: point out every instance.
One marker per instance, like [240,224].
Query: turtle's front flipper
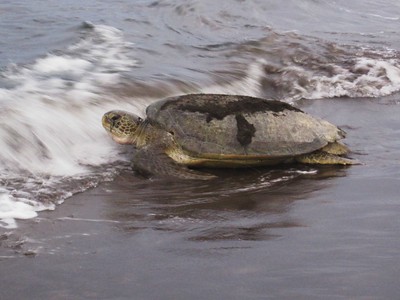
[336,148]
[153,160]
[323,158]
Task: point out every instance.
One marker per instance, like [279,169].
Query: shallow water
[279,233]
[295,231]
[53,145]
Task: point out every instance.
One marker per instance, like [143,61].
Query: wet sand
[291,232]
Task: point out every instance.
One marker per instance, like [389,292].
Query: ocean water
[64,63]
[77,223]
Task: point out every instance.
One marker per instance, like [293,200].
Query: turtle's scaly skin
[224,131]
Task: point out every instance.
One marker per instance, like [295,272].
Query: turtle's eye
[115,118]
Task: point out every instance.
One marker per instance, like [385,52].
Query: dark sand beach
[292,232]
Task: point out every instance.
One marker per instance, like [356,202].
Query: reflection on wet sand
[239,205]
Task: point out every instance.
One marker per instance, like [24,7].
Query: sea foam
[50,128]
[12,208]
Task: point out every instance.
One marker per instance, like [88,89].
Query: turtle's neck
[146,133]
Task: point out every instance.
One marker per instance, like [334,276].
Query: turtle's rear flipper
[323,158]
[153,160]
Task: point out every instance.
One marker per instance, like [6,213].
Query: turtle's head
[122,126]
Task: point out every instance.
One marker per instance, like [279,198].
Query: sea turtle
[209,130]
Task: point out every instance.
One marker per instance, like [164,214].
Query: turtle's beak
[112,124]
[107,123]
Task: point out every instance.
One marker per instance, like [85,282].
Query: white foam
[363,77]
[50,121]
[61,64]
[11,209]
[367,77]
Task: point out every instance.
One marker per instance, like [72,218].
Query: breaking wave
[51,137]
